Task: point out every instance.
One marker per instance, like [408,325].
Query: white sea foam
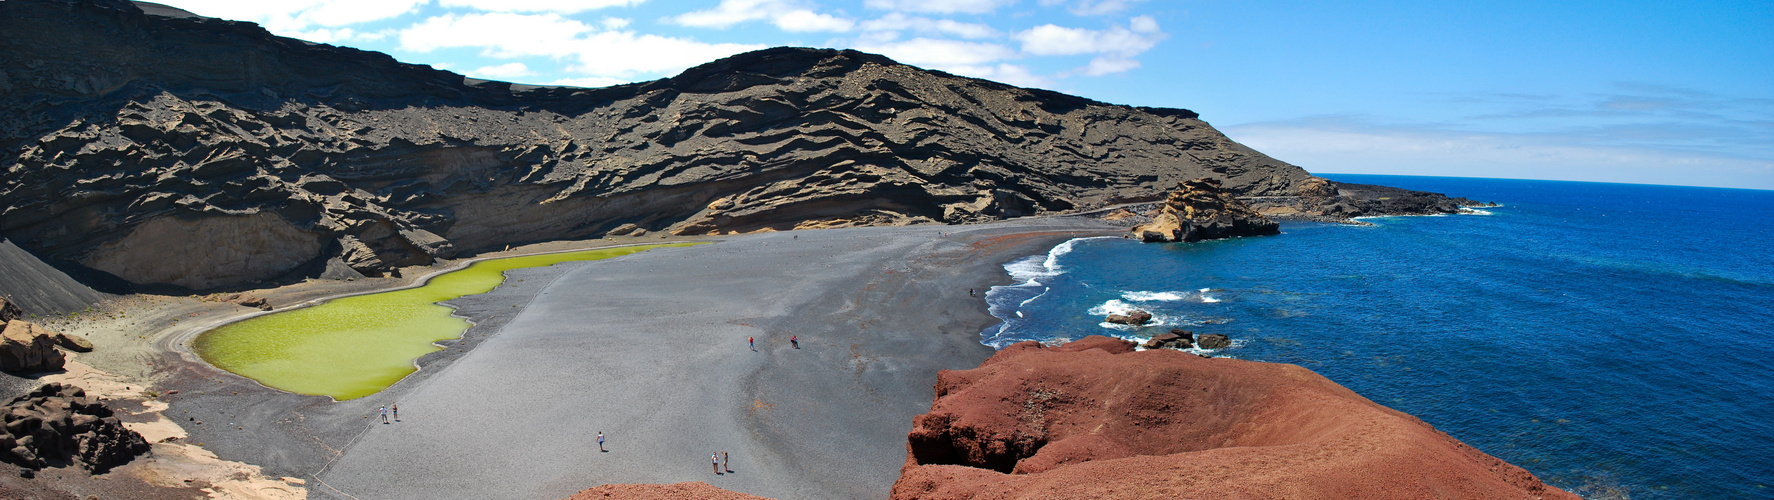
[1474,211]
[1151,296]
[1113,306]
[1032,299]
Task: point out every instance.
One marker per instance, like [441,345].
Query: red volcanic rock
[676,491]
[1105,422]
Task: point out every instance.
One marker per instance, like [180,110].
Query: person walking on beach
[724,462]
[794,341]
[600,442]
[384,411]
[715,460]
[752,342]
[394,409]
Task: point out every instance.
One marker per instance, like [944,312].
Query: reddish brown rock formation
[1092,419]
[677,491]
[1200,210]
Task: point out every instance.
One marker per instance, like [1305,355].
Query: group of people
[794,340]
[719,459]
[391,408]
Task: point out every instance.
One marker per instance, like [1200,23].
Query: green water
[353,347]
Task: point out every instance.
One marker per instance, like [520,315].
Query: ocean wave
[1207,298]
[1151,296]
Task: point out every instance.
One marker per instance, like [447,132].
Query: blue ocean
[1615,340]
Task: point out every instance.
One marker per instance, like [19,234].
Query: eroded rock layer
[202,153]
[1094,419]
[58,425]
[1201,209]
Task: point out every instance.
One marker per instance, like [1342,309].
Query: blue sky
[1659,93]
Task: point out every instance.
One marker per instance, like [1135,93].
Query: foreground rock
[1203,210]
[1091,419]
[58,425]
[677,491]
[253,157]
[1175,339]
[28,348]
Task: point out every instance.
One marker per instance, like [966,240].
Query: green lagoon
[352,347]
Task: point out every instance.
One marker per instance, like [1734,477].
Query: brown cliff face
[1201,210]
[268,156]
[1092,419]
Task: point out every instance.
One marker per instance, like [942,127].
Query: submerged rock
[1202,210]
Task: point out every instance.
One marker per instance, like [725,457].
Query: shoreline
[303,437]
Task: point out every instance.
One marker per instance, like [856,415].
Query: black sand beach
[650,349]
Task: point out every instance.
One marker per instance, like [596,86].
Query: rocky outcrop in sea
[1201,209]
[175,150]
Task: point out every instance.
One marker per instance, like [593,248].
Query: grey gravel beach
[651,350]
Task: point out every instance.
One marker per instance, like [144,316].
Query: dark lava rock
[1136,318]
[1175,339]
[1201,210]
[129,137]
[9,311]
[1214,341]
[57,424]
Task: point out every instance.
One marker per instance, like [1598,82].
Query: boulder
[360,257]
[1200,210]
[28,348]
[57,424]
[71,342]
[9,311]
[1136,318]
[1214,341]
[1175,339]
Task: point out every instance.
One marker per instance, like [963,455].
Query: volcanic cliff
[1095,419]
[171,149]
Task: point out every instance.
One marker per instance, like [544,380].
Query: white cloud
[589,81]
[901,22]
[608,53]
[787,15]
[807,20]
[1140,35]
[556,6]
[939,53]
[1330,147]
[1104,65]
[1093,7]
[939,6]
[614,23]
[289,18]
[501,71]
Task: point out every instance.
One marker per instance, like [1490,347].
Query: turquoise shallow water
[1602,336]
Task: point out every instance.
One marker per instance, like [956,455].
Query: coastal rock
[1175,339]
[72,342]
[252,157]
[697,490]
[1201,209]
[57,424]
[1056,422]
[28,348]
[242,299]
[9,311]
[1214,341]
[1135,317]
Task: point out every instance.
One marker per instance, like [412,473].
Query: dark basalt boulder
[1214,341]
[1202,210]
[1175,339]
[57,424]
